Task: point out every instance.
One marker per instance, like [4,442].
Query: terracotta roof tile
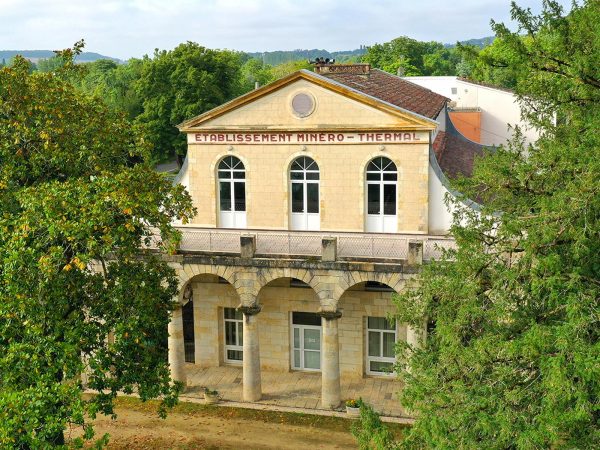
[394,90]
[455,154]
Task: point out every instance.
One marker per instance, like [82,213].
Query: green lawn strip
[288,418]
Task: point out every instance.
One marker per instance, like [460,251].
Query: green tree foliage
[49,64]
[114,84]
[283,70]
[182,83]
[370,432]
[76,203]
[512,357]
[255,71]
[491,64]
[412,57]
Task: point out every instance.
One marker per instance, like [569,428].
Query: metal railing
[376,246]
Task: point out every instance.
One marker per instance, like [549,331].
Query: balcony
[324,245]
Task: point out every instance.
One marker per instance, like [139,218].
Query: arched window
[381,185]
[232,193]
[304,193]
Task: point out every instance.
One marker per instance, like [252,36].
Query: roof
[455,153]
[368,97]
[394,90]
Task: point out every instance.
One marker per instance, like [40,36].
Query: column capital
[251,310]
[330,315]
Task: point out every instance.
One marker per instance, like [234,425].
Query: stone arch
[264,277]
[188,272]
[349,279]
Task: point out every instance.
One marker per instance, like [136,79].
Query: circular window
[303,105]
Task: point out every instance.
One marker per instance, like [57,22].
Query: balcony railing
[361,246]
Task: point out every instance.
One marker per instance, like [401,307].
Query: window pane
[306,318]
[312,360]
[235,355]
[389,340]
[296,338]
[297,358]
[239,175]
[389,199]
[240,329]
[297,175]
[225,196]
[312,197]
[390,176]
[297,198]
[381,323]
[230,333]
[373,198]
[224,174]
[240,196]
[373,176]
[378,366]
[312,339]
[374,343]
[229,313]
[312,175]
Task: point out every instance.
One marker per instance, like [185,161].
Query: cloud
[131,28]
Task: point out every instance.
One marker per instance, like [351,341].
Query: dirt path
[222,429]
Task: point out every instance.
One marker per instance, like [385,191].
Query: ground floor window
[381,339]
[188,331]
[306,341]
[234,334]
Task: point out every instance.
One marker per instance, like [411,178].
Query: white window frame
[305,220]
[239,332]
[292,348]
[237,218]
[368,358]
[385,223]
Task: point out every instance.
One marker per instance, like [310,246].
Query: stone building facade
[315,204]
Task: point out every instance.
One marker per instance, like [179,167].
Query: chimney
[356,69]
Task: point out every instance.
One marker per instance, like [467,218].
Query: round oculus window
[303,105]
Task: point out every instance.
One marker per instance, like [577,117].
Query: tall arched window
[232,193]
[381,182]
[304,193]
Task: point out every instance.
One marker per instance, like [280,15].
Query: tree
[182,83]
[50,64]
[412,57]
[78,293]
[512,354]
[114,84]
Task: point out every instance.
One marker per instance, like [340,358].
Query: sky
[133,28]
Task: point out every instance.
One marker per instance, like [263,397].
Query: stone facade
[268,290]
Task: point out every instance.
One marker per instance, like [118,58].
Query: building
[482,113]
[318,196]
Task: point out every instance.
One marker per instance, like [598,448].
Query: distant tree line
[161,90]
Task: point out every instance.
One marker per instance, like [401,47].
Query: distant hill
[35,55]
[283,56]
[481,42]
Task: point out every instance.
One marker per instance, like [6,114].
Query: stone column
[251,385]
[176,347]
[415,336]
[331,391]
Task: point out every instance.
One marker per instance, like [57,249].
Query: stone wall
[278,301]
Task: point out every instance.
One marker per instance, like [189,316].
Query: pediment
[334,107]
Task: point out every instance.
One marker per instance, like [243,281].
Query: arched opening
[381,180]
[367,308]
[304,193]
[211,322]
[293,338]
[232,193]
